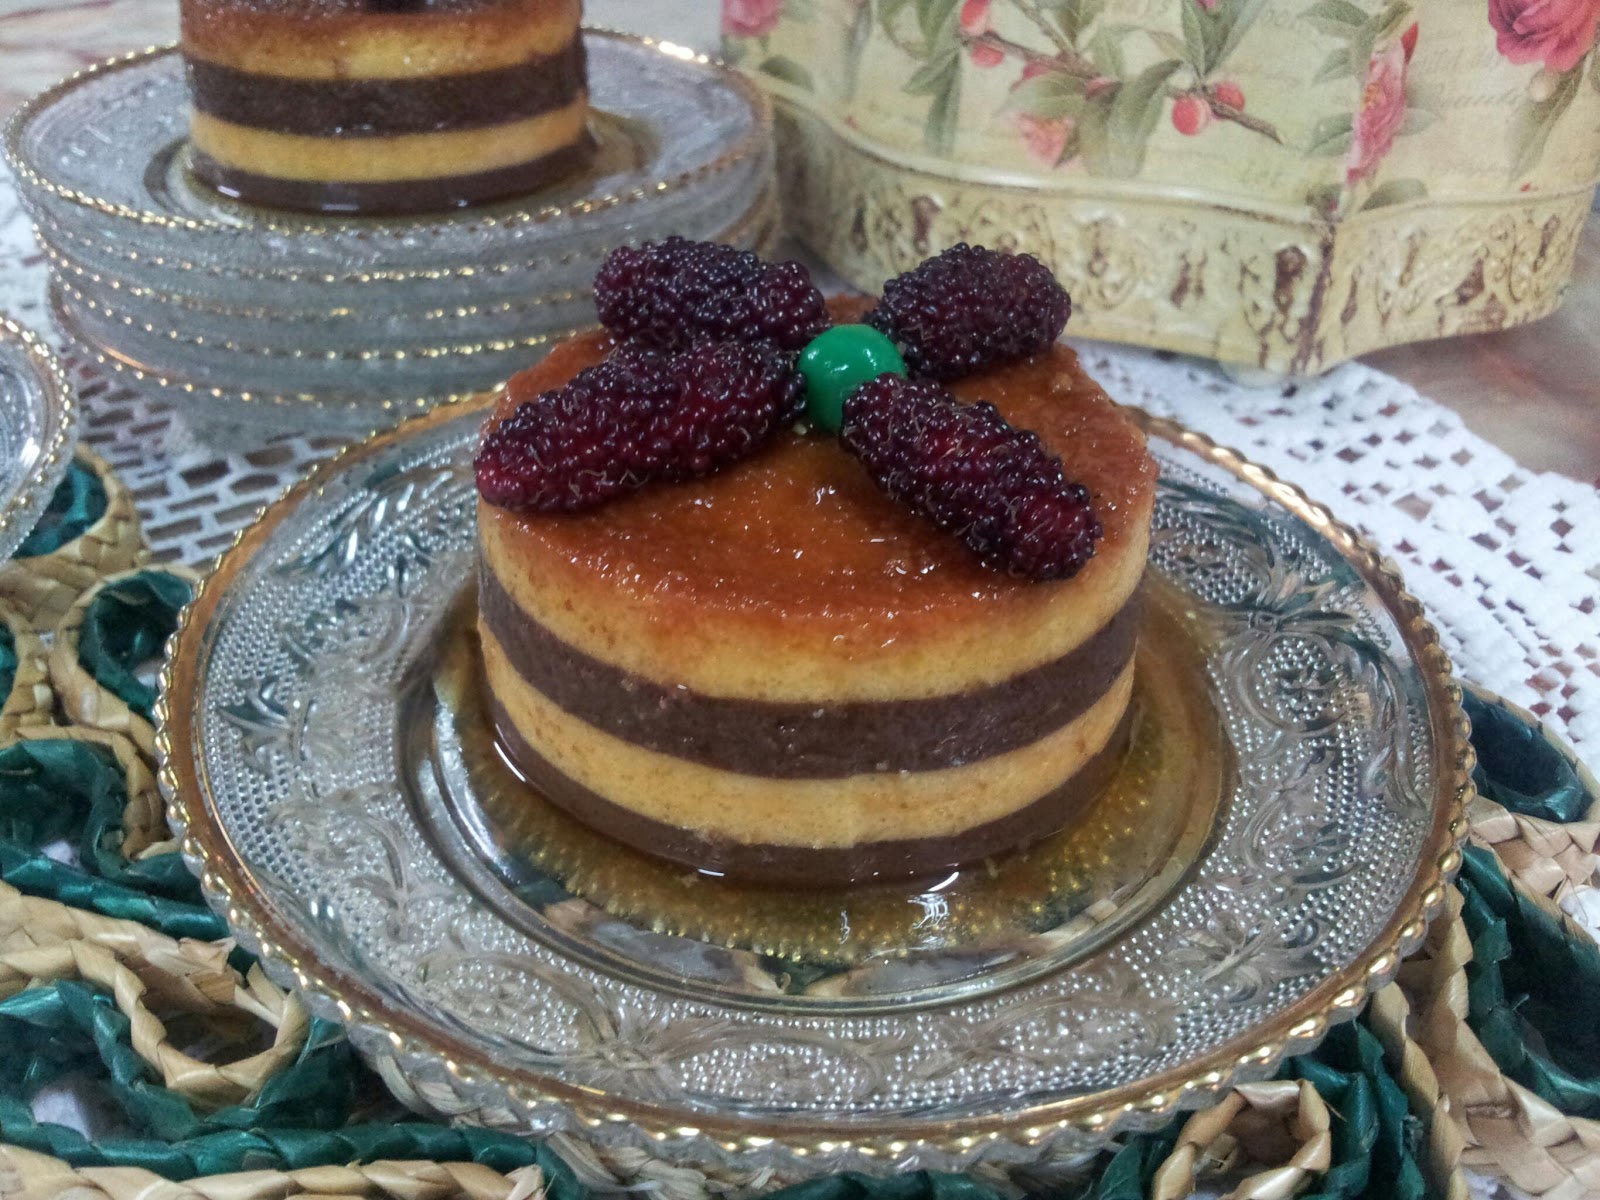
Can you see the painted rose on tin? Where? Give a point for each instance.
(750, 18)
(1382, 112)
(1557, 33)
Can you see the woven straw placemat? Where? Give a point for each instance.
(29, 701)
(84, 698)
(43, 587)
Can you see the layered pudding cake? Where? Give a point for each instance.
(783, 670)
(384, 106)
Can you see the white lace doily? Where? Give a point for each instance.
(1507, 560)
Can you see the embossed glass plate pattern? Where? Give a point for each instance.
(338, 322)
(290, 747)
(38, 430)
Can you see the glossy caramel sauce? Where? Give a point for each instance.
(801, 530)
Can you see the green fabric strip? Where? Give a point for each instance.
(1518, 769)
(127, 624)
(916, 1185)
(68, 1025)
(1376, 1140)
(8, 663)
(1133, 1165)
(61, 788)
(57, 789)
(77, 503)
(1533, 993)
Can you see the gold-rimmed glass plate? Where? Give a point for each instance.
(321, 746)
(240, 313)
(38, 430)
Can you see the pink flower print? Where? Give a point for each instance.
(1383, 109)
(975, 23)
(1045, 138)
(1557, 33)
(975, 18)
(750, 18)
(1408, 41)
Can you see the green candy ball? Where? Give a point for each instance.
(839, 361)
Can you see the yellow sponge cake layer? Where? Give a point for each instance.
(779, 672)
(384, 106)
(342, 41)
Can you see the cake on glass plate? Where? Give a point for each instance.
(384, 106)
(813, 593)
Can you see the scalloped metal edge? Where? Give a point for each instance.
(25, 508)
(752, 143)
(808, 1146)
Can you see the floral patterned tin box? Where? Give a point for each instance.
(1285, 183)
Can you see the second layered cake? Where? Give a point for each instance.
(779, 673)
(384, 106)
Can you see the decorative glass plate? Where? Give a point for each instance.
(289, 320)
(38, 431)
(1282, 830)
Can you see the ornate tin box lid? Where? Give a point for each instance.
(1266, 181)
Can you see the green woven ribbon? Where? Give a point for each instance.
(918, 1185)
(55, 789)
(298, 1119)
(126, 624)
(77, 503)
(1131, 1167)
(1533, 992)
(1376, 1140)
(8, 663)
(1518, 769)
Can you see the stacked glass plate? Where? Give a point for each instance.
(286, 321)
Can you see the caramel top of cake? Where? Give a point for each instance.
(800, 531)
(387, 39)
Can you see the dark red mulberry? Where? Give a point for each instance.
(672, 294)
(971, 308)
(965, 468)
(639, 416)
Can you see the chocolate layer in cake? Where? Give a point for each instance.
(360, 106)
(783, 866)
(805, 739)
(354, 108)
(396, 198)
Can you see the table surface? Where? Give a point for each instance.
(1533, 391)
